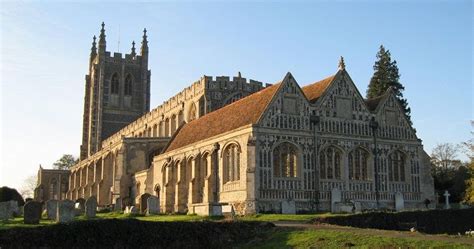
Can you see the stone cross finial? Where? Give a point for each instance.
(342, 65)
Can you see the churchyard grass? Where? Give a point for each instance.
(314, 238)
(286, 217)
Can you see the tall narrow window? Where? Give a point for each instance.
(285, 160)
(128, 85)
(231, 163)
(396, 167)
(330, 163)
(358, 164)
(115, 84)
(53, 190)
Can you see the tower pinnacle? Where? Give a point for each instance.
(144, 48)
(102, 39)
(94, 48)
(133, 49)
(342, 65)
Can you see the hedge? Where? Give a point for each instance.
(132, 233)
(451, 221)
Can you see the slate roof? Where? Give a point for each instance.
(242, 112)
(315, 90)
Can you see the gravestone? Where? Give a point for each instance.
(65, 211)
(80, 206)
(446, 199)
(5, 210)
(153, 204)
(118, 204)
(335, 198)
(143, 202)
(51, 207)
(288, 207)
(132, 210)
(14, 208)
(91, 207)
(32, 212)
(399, 201)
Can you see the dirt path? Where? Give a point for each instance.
(385, 233)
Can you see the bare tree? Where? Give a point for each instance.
(28, 187)
(444, 156)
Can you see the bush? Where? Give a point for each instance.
(451, 221)
(8, 194)
(132, 233)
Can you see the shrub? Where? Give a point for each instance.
(451, 221)
(8, 194)
(132, 233)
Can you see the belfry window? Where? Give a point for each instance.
(358, 164)
(285, 160)
(330, 163)
(115, 84)
(396, 167)
(128, 85)
(231, 163)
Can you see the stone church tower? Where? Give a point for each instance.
(117, 92)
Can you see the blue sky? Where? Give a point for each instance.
(45, 49)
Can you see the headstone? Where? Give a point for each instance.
(132, 210)
(143, 202)
(399, 201)
(14, 207)
(91, 207)
(335, 198)
(32, 212)
(51, 209)
(153, 205)
(5, 210)
(118, 204)
(65, 211)
(446, 199)
(288, 207)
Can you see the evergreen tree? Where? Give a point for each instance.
(386, 75)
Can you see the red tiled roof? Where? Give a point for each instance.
(243, 112)
(315, 90)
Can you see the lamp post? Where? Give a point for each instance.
(374, 125)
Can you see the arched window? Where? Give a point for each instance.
(396, 166)
(359, 164)
(330, 163)
(115, 84)
(53, 190)
(231, 163)
(192, 113)
(285, 160)
(128, 85)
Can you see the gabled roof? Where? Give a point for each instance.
(373, 103)
(242, 112)
(315, 90)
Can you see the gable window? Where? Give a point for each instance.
(231, 163)
(330, 163)
(358, 164)
(115, 84)
(128, 85)
(396, 166)
(285, 160)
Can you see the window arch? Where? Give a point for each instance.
(359, 164)
(128, 85)
(115, 84)
(330, 163)
(192, 113)
(396, 166)
(285, 160)
(231, 157)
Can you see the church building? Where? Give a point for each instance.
(223, 144)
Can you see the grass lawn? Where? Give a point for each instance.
(314, 238)
(285, 217)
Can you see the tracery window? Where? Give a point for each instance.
(115, 84)
(330, 163)
(396, 166)
(53, 190)
(285, 160)
(358, 164)
(231, 163)
(128, 85)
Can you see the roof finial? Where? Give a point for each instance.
(133, 49)
(94, 48)
(102, 38)
(144, 48)
(342, 65)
